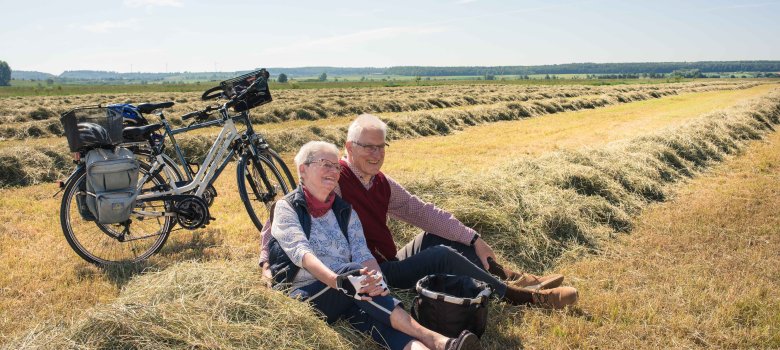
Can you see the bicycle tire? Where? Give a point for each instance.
(93, 241)
(262, 178)
(279, 163)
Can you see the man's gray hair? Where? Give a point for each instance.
(307, 152)
(365, 121)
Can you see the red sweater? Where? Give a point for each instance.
(371, 206)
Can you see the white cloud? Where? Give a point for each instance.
(347, 40)
(153, 3)
(108, 26)
(741, 6)
(465, 1)
(359, 13)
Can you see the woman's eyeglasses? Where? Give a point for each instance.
(328, 165)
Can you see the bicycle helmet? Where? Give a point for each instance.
(130, 114)
(93, 135)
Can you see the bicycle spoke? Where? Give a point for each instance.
(100, 243)
(260, 185)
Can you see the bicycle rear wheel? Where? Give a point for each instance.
(110, 244)
(260, 185)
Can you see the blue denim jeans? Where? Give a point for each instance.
(371, 317)
(430, 254)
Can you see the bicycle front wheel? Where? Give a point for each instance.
(260, 185)
(110, 244)
(279, 163)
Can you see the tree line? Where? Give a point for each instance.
(644, 69)
(592, 68)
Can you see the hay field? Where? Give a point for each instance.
(33, 153)
(540, 209)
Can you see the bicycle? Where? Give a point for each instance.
(165, 197)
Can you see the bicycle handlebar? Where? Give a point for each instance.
(212, 93)
(202, 114)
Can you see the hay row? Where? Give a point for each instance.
(565, 203)
(26, 166)
(339, 103)
(33, 117)
(437, 122)
(193, 305)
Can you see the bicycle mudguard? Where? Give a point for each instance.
(73, 174)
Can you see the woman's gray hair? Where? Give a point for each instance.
(307, 152)
(365, 121)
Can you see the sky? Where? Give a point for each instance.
(232, 35)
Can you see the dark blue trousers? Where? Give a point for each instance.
(430, 254)
(371, 317)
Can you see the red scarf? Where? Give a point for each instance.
(317, 208)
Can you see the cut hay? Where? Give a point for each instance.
(533, 212)
(216, 305)
(24, 166)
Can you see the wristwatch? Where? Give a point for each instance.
(474, 240)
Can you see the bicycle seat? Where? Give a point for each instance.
(139, 133)
(149, 107)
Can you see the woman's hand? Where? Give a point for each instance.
(360, 284)
(373, 284)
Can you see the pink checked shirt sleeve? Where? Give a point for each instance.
(413, 210)
(265, 237)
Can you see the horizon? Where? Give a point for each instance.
(373, 67)
(165, 36)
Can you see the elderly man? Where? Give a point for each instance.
(446, 246)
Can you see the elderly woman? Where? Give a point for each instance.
(318, 250)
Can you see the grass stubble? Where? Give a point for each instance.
(555, 210)
(700, 271)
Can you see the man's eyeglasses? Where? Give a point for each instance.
(328, 165)
(372, 148)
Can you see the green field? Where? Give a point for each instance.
(30, 88)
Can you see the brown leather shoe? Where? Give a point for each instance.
(525, 280)
(465, 341)
(556, 298)
(538, 282)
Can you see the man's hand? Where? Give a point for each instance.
(267, 276)
(484, 252)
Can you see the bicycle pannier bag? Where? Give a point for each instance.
(81, 203)
(449, 304)
(112, 178)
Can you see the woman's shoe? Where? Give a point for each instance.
(465, 341)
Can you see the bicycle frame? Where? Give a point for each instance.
(217, 158)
